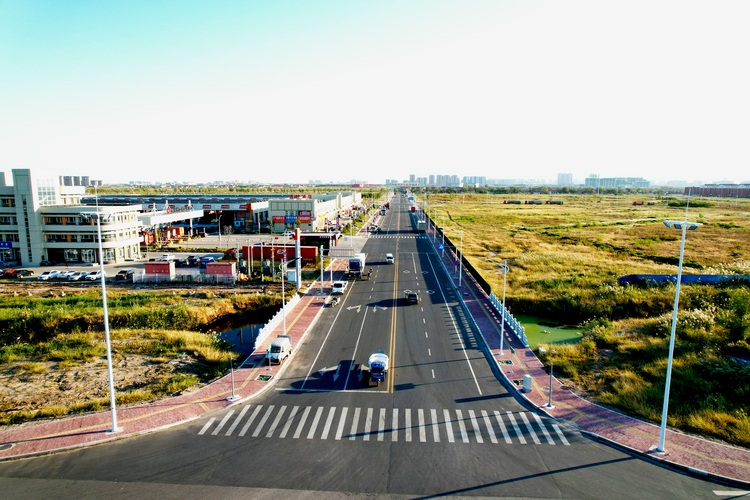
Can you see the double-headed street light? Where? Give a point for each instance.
(504, 266)
(684, 226)
(443, 237)
(282, 268)
(461, 258)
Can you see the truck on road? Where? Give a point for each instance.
(279, 350)
(377, 368)
(357, 265)
(421, 226)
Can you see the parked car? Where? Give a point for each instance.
(124, 275)
(6, 273)
(96, 275)
(11, 263)
(46, 262)
(22, 273)
(287, 233)
(206, 260)
(181, 263)
(49, 275)
(78, 275)
(167, 257)
(63, 275)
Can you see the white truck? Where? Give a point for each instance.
(279, 350)
(377, 368)
(421, 226)
(357, 265)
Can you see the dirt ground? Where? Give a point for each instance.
(34, 386)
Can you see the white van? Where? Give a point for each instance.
(279, 350)
(389, 258)
(339, 287)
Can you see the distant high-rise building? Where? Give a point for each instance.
(432, 179)
(85, 181)
(564, 179)
(617, 182)
(411, 178)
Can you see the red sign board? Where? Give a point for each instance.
(279, 218)
(304, 213)
(305, 218)
(225, 206)
(208, 207)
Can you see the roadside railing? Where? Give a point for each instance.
(264, 332)
(514, 325)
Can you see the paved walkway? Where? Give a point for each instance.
(683, 451)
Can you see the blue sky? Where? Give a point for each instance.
(289, 91)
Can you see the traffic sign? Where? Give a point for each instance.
(441, 246)
(455, 262)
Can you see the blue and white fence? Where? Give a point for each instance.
(514, 325)
(264, 332)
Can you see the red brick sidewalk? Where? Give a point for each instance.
(73, 432)
(689, 452)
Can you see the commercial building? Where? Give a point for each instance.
(617, 182)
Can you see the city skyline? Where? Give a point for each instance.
(339, 90)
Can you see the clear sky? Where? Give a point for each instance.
(288, 91)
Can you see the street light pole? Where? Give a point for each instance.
(443, 237)
(684, 226)
(504, 266)
(461, 257)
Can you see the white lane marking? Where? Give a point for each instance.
(560, 435)
(205, 427)
(288, 422)
(475, 425)
(544, 429)
(368, 424)
(516, 428)
(433, 373)
(461, 426)
(422, 308)
(502, 427)
(530, 428)
(342, 420)
(327, 427)
(355, 421)
(414, 262)
(422, 435)
(368, 298)
(488, 424)
(423, 321)
(448, 427)
(326, 338)
(455, 327)
(381, 425)
(354, 355)
(302, 421)
(221, 424)
(435, 426)
(394, 425)
(407, 425)
(315, 422)
(267, 414)
(237, 421)
(429, 352)
(276, 421)
(250, 421)
(425, 335)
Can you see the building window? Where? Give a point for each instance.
(87, 238)
(71, 255)
(8, 202)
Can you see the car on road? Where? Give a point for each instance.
(49, 275)
(78, 276)
(6, 273)
(168, 257)
(389, 258)
(287, 233)
(179, 263)
(64, 274)
(339, 287)
(96, 275)
(125, 275)
(412, 297)
(206, 260)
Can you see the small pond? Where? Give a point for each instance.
(542, 331)
(241, 338)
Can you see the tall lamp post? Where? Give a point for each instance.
(113, 408)
(504, 266)
(219, 221)
(443, 237)
(461, 257)
(684, 226)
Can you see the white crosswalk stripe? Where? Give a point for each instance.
(474, 426)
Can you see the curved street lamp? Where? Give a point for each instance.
(684, 226)
(461, 258)
(504, 266)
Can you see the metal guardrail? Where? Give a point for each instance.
(208, 279)
(514, 325)
(264, 332)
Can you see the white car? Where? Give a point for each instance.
(389, 258)
(65, 275)
(96, 275)
(167, 257)
(288, 233)
(48, 275)
(339, 287)
(77, 275)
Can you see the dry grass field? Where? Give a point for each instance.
(564, 263)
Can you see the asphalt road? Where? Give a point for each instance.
(441, 425)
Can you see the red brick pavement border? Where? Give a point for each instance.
(693, 453)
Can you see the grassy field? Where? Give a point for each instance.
(162, 342)
(564, 263)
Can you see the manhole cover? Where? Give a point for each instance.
(265, 378)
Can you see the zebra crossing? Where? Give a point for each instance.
(390, 236)
(412, 425)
